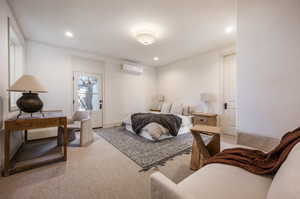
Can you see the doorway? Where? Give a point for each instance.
(228, 118)
(88, 95)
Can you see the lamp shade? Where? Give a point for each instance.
(28, 83)
(205, 97)
(160, 98)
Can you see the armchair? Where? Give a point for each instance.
(80, 121)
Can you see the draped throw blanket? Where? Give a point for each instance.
(256, 161)
(169, 121)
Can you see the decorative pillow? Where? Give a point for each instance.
(165, 108)
(155, 130)
(177, 109)
(186, 110)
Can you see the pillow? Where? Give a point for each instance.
(165, 108)
(159, 106)
(177, 109)
(155, 130)
(186, 110)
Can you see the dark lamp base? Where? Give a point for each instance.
(29, 103)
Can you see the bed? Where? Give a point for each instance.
(180, 111)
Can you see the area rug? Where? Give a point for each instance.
(146, 153)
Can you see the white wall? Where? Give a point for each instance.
(184, 80)
(5, 12)
(126, 93)
(268, 66)
(123, 93)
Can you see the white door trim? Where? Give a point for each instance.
(102, 75)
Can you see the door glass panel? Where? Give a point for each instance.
(88, 93)
(88, 84)
(87, 102)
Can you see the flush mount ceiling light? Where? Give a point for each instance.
(145, 37)
(229, 29)
(69, 34)
(155, 58)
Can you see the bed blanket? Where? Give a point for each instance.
(256, 161)
(169, 121)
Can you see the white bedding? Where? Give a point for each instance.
(185, 127)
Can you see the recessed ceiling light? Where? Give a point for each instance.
(69, 34)
(145, 37)
(155, 58)
(229, 29)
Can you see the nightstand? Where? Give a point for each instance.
(202, 150)
(209, 119)
(155, 110)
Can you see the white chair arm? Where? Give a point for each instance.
(86, 123)
(86, 132)
(163, 188)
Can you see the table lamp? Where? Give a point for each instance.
(205, 98)
(30, 86)
(160, 98)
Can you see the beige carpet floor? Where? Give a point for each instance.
(98, 171)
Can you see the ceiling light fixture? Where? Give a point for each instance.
(69, 34)
(229, 29)
(145, 38)
(155, 58)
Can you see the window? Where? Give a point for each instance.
(16, 63)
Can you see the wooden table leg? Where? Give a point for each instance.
(199, 152)
(195, 157)
(6, 153)
(65, 140)
(26, 135)
(214, 146)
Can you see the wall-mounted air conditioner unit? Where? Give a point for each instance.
(133, 69)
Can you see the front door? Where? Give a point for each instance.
(88, 96)
(228, 118)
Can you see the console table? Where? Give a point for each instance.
(37, 121)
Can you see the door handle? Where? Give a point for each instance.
(225, 106)
(100, 104)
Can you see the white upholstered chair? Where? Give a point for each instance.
(80, 121)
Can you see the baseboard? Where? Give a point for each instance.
(35, 134)
(112, 125)
(41, 139)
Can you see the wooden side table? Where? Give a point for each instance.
(24, 123)
(204, 118)
(201, 151)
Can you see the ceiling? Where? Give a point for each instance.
(106, 27)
